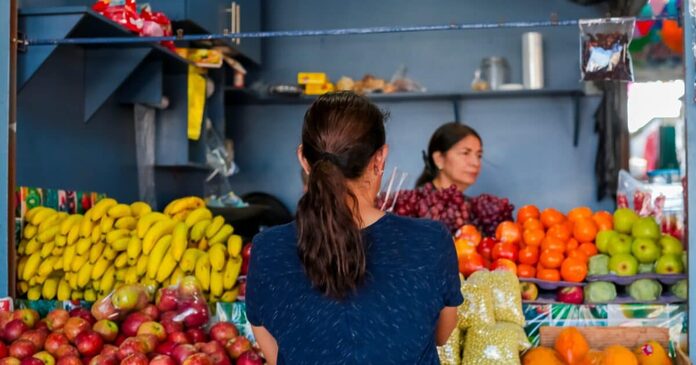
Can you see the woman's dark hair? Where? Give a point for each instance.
(442, 140)
(341, 133)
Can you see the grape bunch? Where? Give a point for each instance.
(488, 211)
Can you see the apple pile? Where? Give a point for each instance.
(636, 245)
(170, 332)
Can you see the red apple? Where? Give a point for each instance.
(167, 299)
(89, 343)
(166, 348)
(215, 351)
(104, 309)
(131, 346)
(41, 325)
(505, 250)
(177, 337)
(119, 339)
(150, 342)
(31, 361)
(571, 295)
(170, 325)
(181, 352)
(223, 332)
(28, 316)
(66, 350)
(130, 326)
(14, 329)
(485, 247)
(104, 360)
(198, 359)
(56, 319)
(153, 328)
(135, 359)
(196, 335)
(3, 350)
(82, 313)
(74, 326)
(69, 360)
(110, 350)
(189, 287)
(151, 311)
(241, 289)
(10, 361)
(162, 360)
(37, 337)
(196, 315)
(107, 329)
(22, 348)
(246, 251)
(237, 346)
(250, 358)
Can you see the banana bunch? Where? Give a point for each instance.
(86, 256)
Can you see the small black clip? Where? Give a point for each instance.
(21, 42)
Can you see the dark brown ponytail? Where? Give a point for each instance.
(444, 138)
(341, 133)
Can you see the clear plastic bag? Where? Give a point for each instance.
(491, 345)
(477, 309)
(604, 49)
(507, 299)
(451, 352)
(121, 301)
(184, 303)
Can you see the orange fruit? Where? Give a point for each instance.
(526, 212)
(551, 259)
(588, 248)
(577, 254)
(604, 220)
(618, 355)
(560, 231)
(541, 356)
(525, 271)
(571, 345)
(652, 353)
(593, 357)
(469, 232)
(573, 270)
(508, 232)
(578, 213)
(572, 244)
(533, 237)
(585, 230)
(532, 223)
(529, 255)
(553, 244)
(550, 217)
(548, 274)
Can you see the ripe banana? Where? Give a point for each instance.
(166, 267)
(158, 230)
(20, 267)
(179, 205)
(22, 246)
(107, 281)
(29, 216)
(179, 241)
(61, 240)
(121, 244)
(119, 211)
(109, 253)
(96, 233)
(147, 221)
(41, 216)
(68, 256)
(59, 264)
(46, 249)
(77, 263)
(230, 296)
(157, 255)
(134, 248)
(232, 269)
(188, 260)
(46, 267)
(222, 235)
(95, 252)
(202, 271)
(121, 260)
(131, 276)
(31, 266)
(76, 295)
(203, 244)
(86, 226)
(84, 274)
(198, 229)
(198, 215)
(99, 210)
(63, 290)
(69, 223)
(117, 234)
(100, 268)
(234, 245)
(216, 287)
(30, 231)
(217, 255)
(120, 274)
(32, 246)
(181, 216)
(214, 227)
(90, 295)
(82, 246)
(74, 233)
(139, 209)
(54, 220)
(34, 292)
(107, 224)
(128, 223)
(176, 276)
(141, 266)
(50, 288)
(48, 235)
(57, 251)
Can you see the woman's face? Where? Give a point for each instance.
(462, 163)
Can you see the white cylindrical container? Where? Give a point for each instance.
(533, 60)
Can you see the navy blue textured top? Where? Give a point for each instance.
(412, 275)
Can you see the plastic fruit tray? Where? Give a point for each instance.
(550, 285)
(626, 280)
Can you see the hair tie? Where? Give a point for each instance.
(330, 157)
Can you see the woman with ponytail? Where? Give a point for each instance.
(453, 158)
(346, 283)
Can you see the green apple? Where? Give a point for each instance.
(623, 264)
(685, 260)
(603, 238)
(645, 250)
(669, 264)
(620, 244)
(646, 227)
(624, 219)
(646, 268)
(671, 245)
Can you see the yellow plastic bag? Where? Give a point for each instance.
(477, 309)
(506, 294)
(451, 352)
(196, 102)
(491, 345)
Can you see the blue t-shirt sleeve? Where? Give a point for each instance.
(254, 298)
(449, 265)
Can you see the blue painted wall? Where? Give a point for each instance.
(529, 155)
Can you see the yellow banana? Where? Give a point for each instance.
(61, 240)
(121, 244)
(189, 258)
(100, 268)
(38, 279)
(84, 274)
(176, 203)
(54, 220)
(214, 227)
(203, 244)
(198, 215)
(68, 256)
(46, 267)
(157, 255)
(216, 288)
(22, 246)
(166, 267)
(48, 235)
(86, 226)
(147, 221)
(74, 233)
(134, 249)
(107, 281)
(72, 280)
(90, 295)
(117, 234)
(57, 251)
(32, 212)
(217, 255)
(20, 267)
(82, 246)
(229, 296)
(139, 209)
(107, 224)
(198, 229)
(109, 253)
(119, 211)
(76, 295)
(222, 235)
(46, 249)
(181, 216)
(176, 276)
(42, 215)
(141, 266)
(69, 223)
(179, 241)
(32, 246)
(232, 269)
(96, 233)
(120, 274)
(158, 230)
(131, 276)
(121, 260)
(128, 223)
(50, 288)
(31, 266)
(30, 231)
(77, 263)
(202, 272)
(95, 284)
(234, 245)
(95, 252)
(22, 287)
(58, 265)
(99, 210)
(34, 293)
(63, 290)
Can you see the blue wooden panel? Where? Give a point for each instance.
(5, 89)
(250, 21)
(144, 86)
(172, 146)
(105, 70)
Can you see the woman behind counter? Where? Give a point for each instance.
(453, 158)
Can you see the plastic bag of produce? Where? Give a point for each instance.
(451, 352)
(121, 301)
(520, 336)
(604, 54)
(645, 290)
(505, 287)
(600, 292)
(123, 12)
(156, 24)
(184, 303)
(477, 308)
(491, 345)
